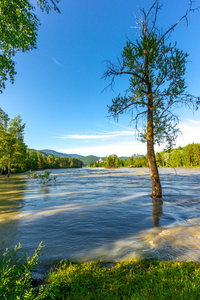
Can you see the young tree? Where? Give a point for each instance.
(112, 161)
(4, 120)
(12, 147)
(156, 69)
(18, 32)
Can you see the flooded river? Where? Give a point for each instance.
(102, 214)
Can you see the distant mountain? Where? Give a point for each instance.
(48, 152)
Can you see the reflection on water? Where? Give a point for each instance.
(11, 203)
(103, 214)
(157, 211)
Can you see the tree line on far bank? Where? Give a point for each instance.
(14, 155)
(35, 160)
(188, 156)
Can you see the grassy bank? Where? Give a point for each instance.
(144, 279)
(124, 280)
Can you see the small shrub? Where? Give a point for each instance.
(15, 278)
(42, 178)
(32, 175)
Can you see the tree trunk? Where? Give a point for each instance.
(155, 180)
(8, 171)
(1, 171)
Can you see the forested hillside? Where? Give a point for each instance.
(188, 156)
(48, 152)
(35, 160)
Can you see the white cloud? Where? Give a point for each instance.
(190, 133)
(192, 122)
(98, 136)
(125, 146)
(120, 149)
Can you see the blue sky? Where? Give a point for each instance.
(58, 87)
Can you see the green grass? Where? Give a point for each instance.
(144, 279)
(124, 280)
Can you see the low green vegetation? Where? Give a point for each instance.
(43, 178)
(143, 279)
(15, 274)
(188, 156)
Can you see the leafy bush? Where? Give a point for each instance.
(15, 278)
(42, 178)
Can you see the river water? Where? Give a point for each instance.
(102, 214)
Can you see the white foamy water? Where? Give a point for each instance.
(103, 214)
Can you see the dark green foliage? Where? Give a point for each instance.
(34, 160)
(18, 32)
(12, 147)
(112, 161)
(37, 161)
(188, 156)
(15, 278)
(47, 5)
(42, 178)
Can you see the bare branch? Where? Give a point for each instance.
(131, 73)
(156, 2)
(141, 113)
(139, 116)
(130, 41)
(113, 70)
(182, 18)
(132, 103)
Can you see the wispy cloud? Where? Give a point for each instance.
(56, 62)
(191, 122)
(190, 133)
(119, 149)
(98, 136)
(124, 142)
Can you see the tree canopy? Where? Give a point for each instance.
(18, 32)
(12, 147)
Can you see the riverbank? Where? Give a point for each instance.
(144, 279)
